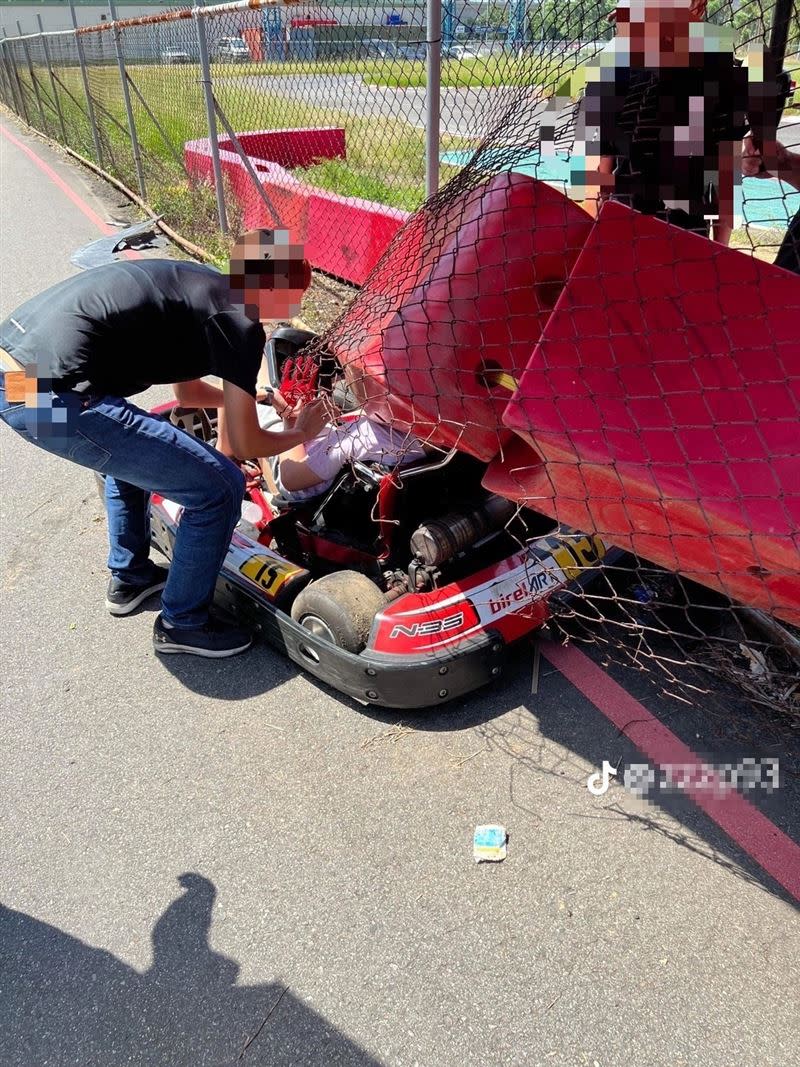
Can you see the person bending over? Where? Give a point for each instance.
(71, 357)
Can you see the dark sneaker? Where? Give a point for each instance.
(213, 640)
(122, 598)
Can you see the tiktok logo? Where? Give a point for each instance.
(597, 783)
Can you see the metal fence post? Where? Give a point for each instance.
(34, 82)
(16, 84)
(433, 97)
(9, 96)
(56, 97)
(85, 78)
(211, 118)
(248, 166)
(126, 95)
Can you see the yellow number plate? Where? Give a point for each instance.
(268, 573)
(575, 554)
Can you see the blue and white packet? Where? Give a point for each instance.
(489, 844)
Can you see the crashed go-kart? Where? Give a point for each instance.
(399, 587)
(405, 586)
(564, 375)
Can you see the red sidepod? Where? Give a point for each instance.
(509, 598)
(662, 405)
(456, 308)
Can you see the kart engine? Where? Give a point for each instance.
(435, 542)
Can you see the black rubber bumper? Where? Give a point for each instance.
(371, 678)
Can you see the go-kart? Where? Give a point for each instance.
(564, 375)
(400, 587)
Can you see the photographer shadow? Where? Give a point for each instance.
(65, 1002)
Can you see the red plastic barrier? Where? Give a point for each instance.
(283, 189)
(458, 305)
(291, 148)
(345, 236)
(663, 399)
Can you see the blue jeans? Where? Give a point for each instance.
(141, 454)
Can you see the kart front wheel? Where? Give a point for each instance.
(340, 607)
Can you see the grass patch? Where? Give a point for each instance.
(761, 242)
(339, 176)
(491, 72)
(192, 209)
(385, 157)
(488, 71)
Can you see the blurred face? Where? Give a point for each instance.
(266, 303)
(657, 31)
(268, 275)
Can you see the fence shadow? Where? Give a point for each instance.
(65, 1002)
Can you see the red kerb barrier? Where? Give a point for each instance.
(345, 236)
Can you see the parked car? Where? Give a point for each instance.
(375, 46)
(231, 50)
(460, 51)
(416, 52)
(175, 55)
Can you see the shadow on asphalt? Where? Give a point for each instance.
(252, 674)
(722, 730)
(63, 1002)
(719, 727)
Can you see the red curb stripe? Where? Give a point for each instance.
(752, 831)
(78, 201)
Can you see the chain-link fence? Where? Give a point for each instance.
(396, 101)
(410, 90)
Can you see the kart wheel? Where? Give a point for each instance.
(339, 607)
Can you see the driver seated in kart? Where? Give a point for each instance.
(311, 468)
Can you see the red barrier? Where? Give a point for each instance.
(291, 148)
(663, 399)
(434, 351)
(345, 236)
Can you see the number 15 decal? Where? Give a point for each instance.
(267, 573)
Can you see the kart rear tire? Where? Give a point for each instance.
(340, 607)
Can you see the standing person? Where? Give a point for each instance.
(785, 166)
(71, 357)
(664, 115)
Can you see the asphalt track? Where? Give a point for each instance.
(208, 864)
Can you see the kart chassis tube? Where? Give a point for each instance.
(420, 681)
